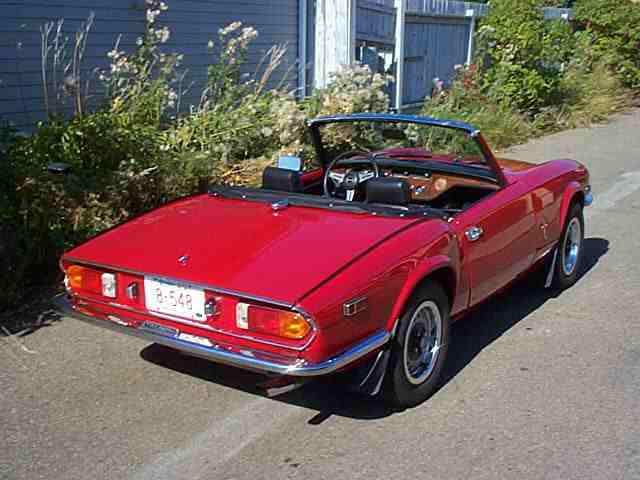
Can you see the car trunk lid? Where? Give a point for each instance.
(241, 246)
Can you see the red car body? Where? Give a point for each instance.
(320, 263)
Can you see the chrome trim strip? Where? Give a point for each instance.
(355, 306)
(244, 358)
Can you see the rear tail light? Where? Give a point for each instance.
(83, 278)
(87, 279)
(271, 321)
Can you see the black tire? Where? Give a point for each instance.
(567, 266)
(400, 388)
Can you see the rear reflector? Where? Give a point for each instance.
(108, 285)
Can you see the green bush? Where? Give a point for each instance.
(614, 31)
(523, 55)
(535, 76)
(499, 122)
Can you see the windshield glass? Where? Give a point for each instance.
(401, 140)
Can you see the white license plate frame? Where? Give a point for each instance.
(177, 299)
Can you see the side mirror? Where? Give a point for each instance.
(289, 162)
(59, 168)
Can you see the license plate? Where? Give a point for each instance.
(173, 298)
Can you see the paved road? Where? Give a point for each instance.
(540, 386)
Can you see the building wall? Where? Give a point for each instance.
(192, 22)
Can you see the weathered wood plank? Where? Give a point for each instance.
(335, 37)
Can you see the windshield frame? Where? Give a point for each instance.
(475, 135)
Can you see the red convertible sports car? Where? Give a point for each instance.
(398, 226)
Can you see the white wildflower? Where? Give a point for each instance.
(172, 96)
(151, 15)
(232, 27)
(163, 34)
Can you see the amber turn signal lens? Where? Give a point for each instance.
(74, 276)
(83, 278)
(293, 325)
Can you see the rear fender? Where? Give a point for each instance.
(428, 266)
(571, 192)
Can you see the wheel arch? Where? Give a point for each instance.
(438, 269)
(573, 193)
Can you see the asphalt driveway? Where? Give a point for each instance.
(540, 386)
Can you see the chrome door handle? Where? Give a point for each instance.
(473, 233)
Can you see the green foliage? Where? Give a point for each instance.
(588, 96)
(499, 122)
(537, 76)
(353, 89)
(523, 54)
(613, 28)
(142, 85)
(224, 85)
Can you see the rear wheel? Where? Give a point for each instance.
(419, 348)
(569, 256)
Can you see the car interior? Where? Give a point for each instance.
(394, 187)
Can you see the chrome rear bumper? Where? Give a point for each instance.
(230, 355)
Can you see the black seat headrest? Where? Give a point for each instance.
(388, 190)
(281, 179)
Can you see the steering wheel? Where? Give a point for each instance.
(348, 181)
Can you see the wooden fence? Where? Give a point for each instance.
(430, 36)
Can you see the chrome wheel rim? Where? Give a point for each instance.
(571, 246)
(422, 342)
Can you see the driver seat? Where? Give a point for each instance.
(389, 191)
(281, 179)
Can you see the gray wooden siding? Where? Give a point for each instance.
(375, 22)
(460, 9)
(21, 100)
(433, 46)
(192, 22)
(446, 7)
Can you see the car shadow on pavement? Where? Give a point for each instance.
(328, 397)
(493, 318)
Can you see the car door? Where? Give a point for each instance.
(497, 237)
